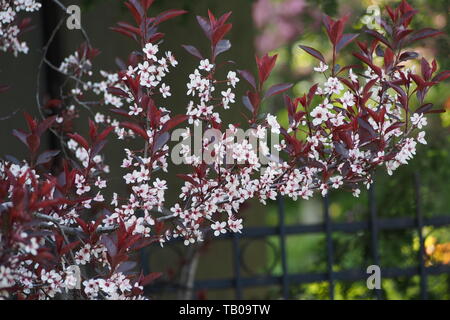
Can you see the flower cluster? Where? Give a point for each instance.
(10, 26)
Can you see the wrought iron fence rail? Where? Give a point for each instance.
(346, 227)
(372, 226)
(305, 278)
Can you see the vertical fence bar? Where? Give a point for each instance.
(282, 228)
(373, 224)
(419, 223)
(329, 243)
(237, 267)
(50, 18)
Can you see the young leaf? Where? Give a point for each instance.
(135, 128)
(205, 25)
(46, 156)
(316, 54)
(277, 89)
(172, 123)
(424, 33)
(169, 14)
(193, 51)
(345, 40)
(79, 139)
(222, 46)
(249, 77)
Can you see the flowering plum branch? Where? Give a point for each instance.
(57, 216)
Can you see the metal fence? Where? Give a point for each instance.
(372, 226)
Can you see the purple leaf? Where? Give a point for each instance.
(345, 40)
(205, 25)
(408, 55)
(425, 108)
(22, 136)
(316, 54)
(364, 124)
(379, 37)
(277, 89)
(169, 14)
(247, 103)
(222, 46)
(46, 156)
(126, 266)
(109, 244)
(249, 77)
(161, 141)
(442, 76)
(193, 50)
(117, 92)
(4, 87)
(424, 33)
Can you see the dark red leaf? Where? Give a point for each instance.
(193, 51)
(69, 247)
(311, 93)
(124, 32)
(137, 14)
(161, 141)
(81, 141)
(345, 40)
(379, 37)
(265, 66)
(277, 89)
(436, 111)
(366, 125)
(336, 32)
(120, 112)
(169, 14)
(316, 54)
(247, 103)
(388, 58)
(135, 128)
(394, 126)
(408, 55)
(424, 33)
(105, 133)
(150, 278)
(169, 125)
(147, 3)
(248, 77)
(442, 76)
(187, 178)
(222, 46)
(45, 124)
(117, 92)
(4, 88)
(128, 27)
(22, 136)
(424, 108)
(46, 156)
(205, 25)
(220, 33)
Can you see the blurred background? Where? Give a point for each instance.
(300, 250)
